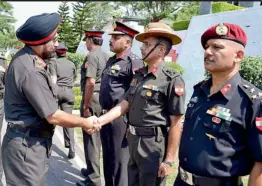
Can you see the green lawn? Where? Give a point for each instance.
(171, 178)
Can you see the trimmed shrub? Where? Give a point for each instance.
(77, 104)
(250, 70)
(224, 7)
(183, 17)
(77, 91)
(176, 67)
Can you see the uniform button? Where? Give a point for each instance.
(191, 138)
(185, 159)
(208, 99)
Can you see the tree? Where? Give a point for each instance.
(65, 32)
(153, 11)
(7, 29)
(90, 16)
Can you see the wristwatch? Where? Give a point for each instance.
(170, 163)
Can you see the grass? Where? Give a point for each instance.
(171, 178)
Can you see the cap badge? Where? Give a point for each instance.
(114, 25)
(221, 29)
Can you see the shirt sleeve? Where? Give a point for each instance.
(255, 133)
(176, 96)
(92, 66)
(39, 93)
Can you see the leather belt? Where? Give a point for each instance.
(143, 131)
(31, 132)
(194, 180)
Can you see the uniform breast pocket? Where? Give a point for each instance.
(216, 124)
(153, 99)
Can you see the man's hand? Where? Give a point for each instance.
(164, 170)
(92, 125)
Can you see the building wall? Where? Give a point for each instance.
(191, 54)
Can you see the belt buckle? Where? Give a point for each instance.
(186, 176)
(132, 130)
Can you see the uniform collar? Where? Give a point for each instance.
(227, 90)
(30, 51)
(156, 71)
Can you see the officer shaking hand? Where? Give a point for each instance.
(31, 108)
(155, 105)
(222, 133)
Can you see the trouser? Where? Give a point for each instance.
(25, 159)
(115, 152)
(1, 125)
(146, 155)
(92, 144)
(66, 103)
(205, 181)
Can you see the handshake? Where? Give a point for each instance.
(91, 125)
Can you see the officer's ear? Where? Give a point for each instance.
(239, 56)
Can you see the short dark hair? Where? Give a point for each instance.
(167, 42)
(97, 40)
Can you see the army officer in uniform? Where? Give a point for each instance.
(115, 81)
(91, 72)
(222, 133)
(155, 106)
(31, 106)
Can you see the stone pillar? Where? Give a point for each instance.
(205, 7)
(249, 4)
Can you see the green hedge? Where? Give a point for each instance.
(176, 67)
(223, 7)
(181, 25)
(77, 91)
(250, 70)
(77, 104)
(184, 16)
(77, 59)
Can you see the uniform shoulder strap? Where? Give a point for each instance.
(170, 72)
(250, 90)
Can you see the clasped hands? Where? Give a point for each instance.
(92, 125)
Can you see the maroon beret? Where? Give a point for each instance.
(225, 31)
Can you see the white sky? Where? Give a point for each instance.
(23, 10)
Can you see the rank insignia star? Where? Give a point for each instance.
(260, 94)
(221, 30)
(252, 90)
(254, 97)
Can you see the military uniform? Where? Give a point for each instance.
(222, 134)
(65, 72)
(115, 82)
(29, 135)
(29, 98)
(153, 97)
(93, 67)
(3, 65)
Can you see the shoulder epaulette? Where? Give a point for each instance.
(170, 72)
(250, 90)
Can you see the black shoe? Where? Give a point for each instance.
(71, 153)
(84, 172)
(84, 183)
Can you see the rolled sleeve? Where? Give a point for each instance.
(255, 133)
(176, 97)
(92, 67)
(39, 93)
